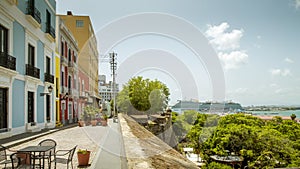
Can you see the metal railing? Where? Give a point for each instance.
(35, 13)
(49, 78)
(64, 60)
(32, 71)
(50, 30)
(7, 61)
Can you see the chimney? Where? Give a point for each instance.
(69, 13)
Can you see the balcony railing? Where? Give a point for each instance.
(64, 60)
(70, 92)
(7, 61)
(32, 71)
(50, 30)
(49, 78)
(35, 13)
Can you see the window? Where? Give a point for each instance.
(79, 23)
(48, 63)
(69, 83)
(69, 56)
(48, 108)
(62, 48)
(30, 55)
(30, 109)
(3, 39)
(48, 19)
(75, 58)
(62, 78)
(3, 109)
(56, 86)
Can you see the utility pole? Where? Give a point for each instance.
(113, 67)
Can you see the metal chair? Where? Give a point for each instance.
(64, 157)
(50, 153)
(3, 156)
(20, 161)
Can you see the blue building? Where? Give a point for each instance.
(27, 60)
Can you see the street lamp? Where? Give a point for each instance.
(50, 88)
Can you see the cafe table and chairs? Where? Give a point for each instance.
(34, 151)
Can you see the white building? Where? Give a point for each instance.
(106, 89)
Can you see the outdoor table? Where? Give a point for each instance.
(36, 149)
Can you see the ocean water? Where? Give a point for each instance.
(277, 113)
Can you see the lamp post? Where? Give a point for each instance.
(50, 88)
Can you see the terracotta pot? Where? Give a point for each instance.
(94, 122)
(104, 123)
(80, 123)
(83, 159)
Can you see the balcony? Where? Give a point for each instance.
(32, 71)
(75, 92)
(84, 95)
(50, 30)
(35, 16)
(7, 61)
(70, 92)
(64, 60)
(49, 78)
(64, 89)
(72, 66)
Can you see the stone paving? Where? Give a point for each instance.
(89, 137)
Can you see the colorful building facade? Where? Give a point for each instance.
(82, 29)
(68, 51)
(27, 66)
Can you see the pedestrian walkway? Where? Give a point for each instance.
(104, 142)
(111, 154)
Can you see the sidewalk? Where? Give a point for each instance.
(104, 141)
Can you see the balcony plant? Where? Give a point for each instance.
(83, 156)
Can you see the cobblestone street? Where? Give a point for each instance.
(92, 138)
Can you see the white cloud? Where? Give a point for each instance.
(280, 72)
(288, 60)
(234, 59)
(297, 4)
(258, 37)
(274, 85)
(222, 39)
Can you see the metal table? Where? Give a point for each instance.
(36, 149)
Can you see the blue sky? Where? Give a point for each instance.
(257, 42)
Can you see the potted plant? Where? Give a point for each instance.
(80, 123)
(83, 157)
(89, 113)
(104, 120)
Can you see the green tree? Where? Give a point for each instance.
(261, 144)
(143, 95)
(215, 165)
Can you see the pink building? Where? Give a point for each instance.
(83, 86)
(69, 96)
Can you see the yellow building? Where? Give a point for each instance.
(57, 88)
(82, 29)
